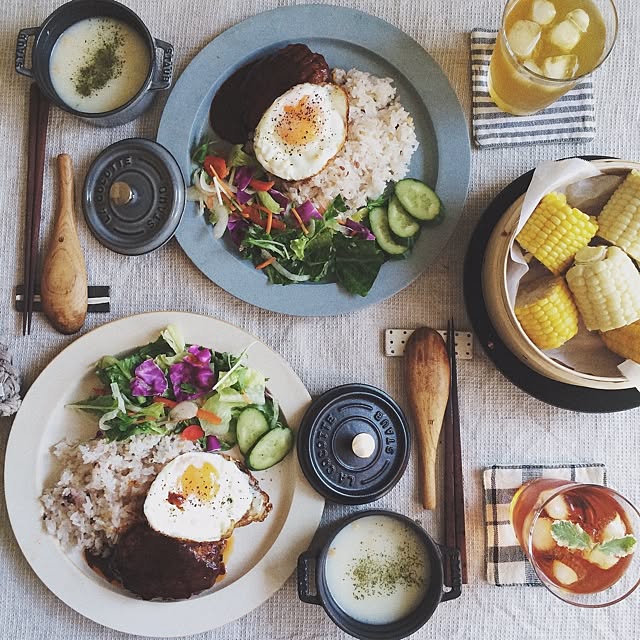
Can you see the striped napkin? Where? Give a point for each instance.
(506, 562)
(569, 119)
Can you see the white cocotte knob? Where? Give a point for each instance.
(363, 445)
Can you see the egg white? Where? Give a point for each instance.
(200, 515)
(302, 130)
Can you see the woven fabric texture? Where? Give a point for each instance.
(506, 562)
(499, 422)
(570, 119)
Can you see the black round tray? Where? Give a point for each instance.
(559, 394)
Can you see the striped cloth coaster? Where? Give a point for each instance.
(506, 562)
(569, 119)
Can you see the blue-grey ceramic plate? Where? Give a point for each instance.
(347, 38)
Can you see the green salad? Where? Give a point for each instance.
(293, 242)
(170, 387)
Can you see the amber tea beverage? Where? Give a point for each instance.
(580, 539)
(545, 47)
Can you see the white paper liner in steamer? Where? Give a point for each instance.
(586, 348)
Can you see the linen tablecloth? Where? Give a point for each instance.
(500, 423)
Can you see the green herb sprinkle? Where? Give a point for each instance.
(383, 574)
(103, 62)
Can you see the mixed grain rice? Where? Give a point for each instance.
(380, 142)
(102, 487)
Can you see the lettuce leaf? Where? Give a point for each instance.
(318, 254)
(357, 263)
(252, 384)
(224, 405)
(174, 339)
(119, 408)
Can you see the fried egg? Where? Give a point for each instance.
(203, 497)
(302, 130)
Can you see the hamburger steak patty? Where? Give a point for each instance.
(152, 565)
(243, 98)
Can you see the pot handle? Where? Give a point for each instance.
(21, 50)
(452, 556)
(163, 73)
(303, 578)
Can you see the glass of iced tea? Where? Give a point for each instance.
(544, 47)
(580, 539)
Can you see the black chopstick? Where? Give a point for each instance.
(450, 540)
(461, 537)
(455, 535)
(31, 163)
(38, 121)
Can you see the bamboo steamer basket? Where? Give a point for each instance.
(502, 315)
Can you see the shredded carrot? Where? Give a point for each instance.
(225, 188)
(269, 222)
(266, 263)
(165, 401)
(254, 215)
(207, 416)
(299, 219)
(223, 185)
(228, 201)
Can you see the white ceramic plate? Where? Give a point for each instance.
(263, 555)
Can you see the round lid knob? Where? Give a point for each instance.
(120, 193)
(363, 445)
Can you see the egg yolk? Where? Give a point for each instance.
(299, 123)
(201, 482)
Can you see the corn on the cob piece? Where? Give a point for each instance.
(546, 311)
(555, 232)
(619, 220)
(624, 341)
(606, 287)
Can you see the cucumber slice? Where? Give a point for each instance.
(270, 449)
(400, 222)
(251, 426)
(379, 220)
(418, 199)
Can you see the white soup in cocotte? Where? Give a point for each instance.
(377, 569)
(98, 64)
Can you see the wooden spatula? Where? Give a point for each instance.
(64, 275)
(427, 377)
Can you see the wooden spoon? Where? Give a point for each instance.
(427, 377)
(64, 275)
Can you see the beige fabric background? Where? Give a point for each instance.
(499, 422)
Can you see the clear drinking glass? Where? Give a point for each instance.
(534, 63)
(579, 538)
